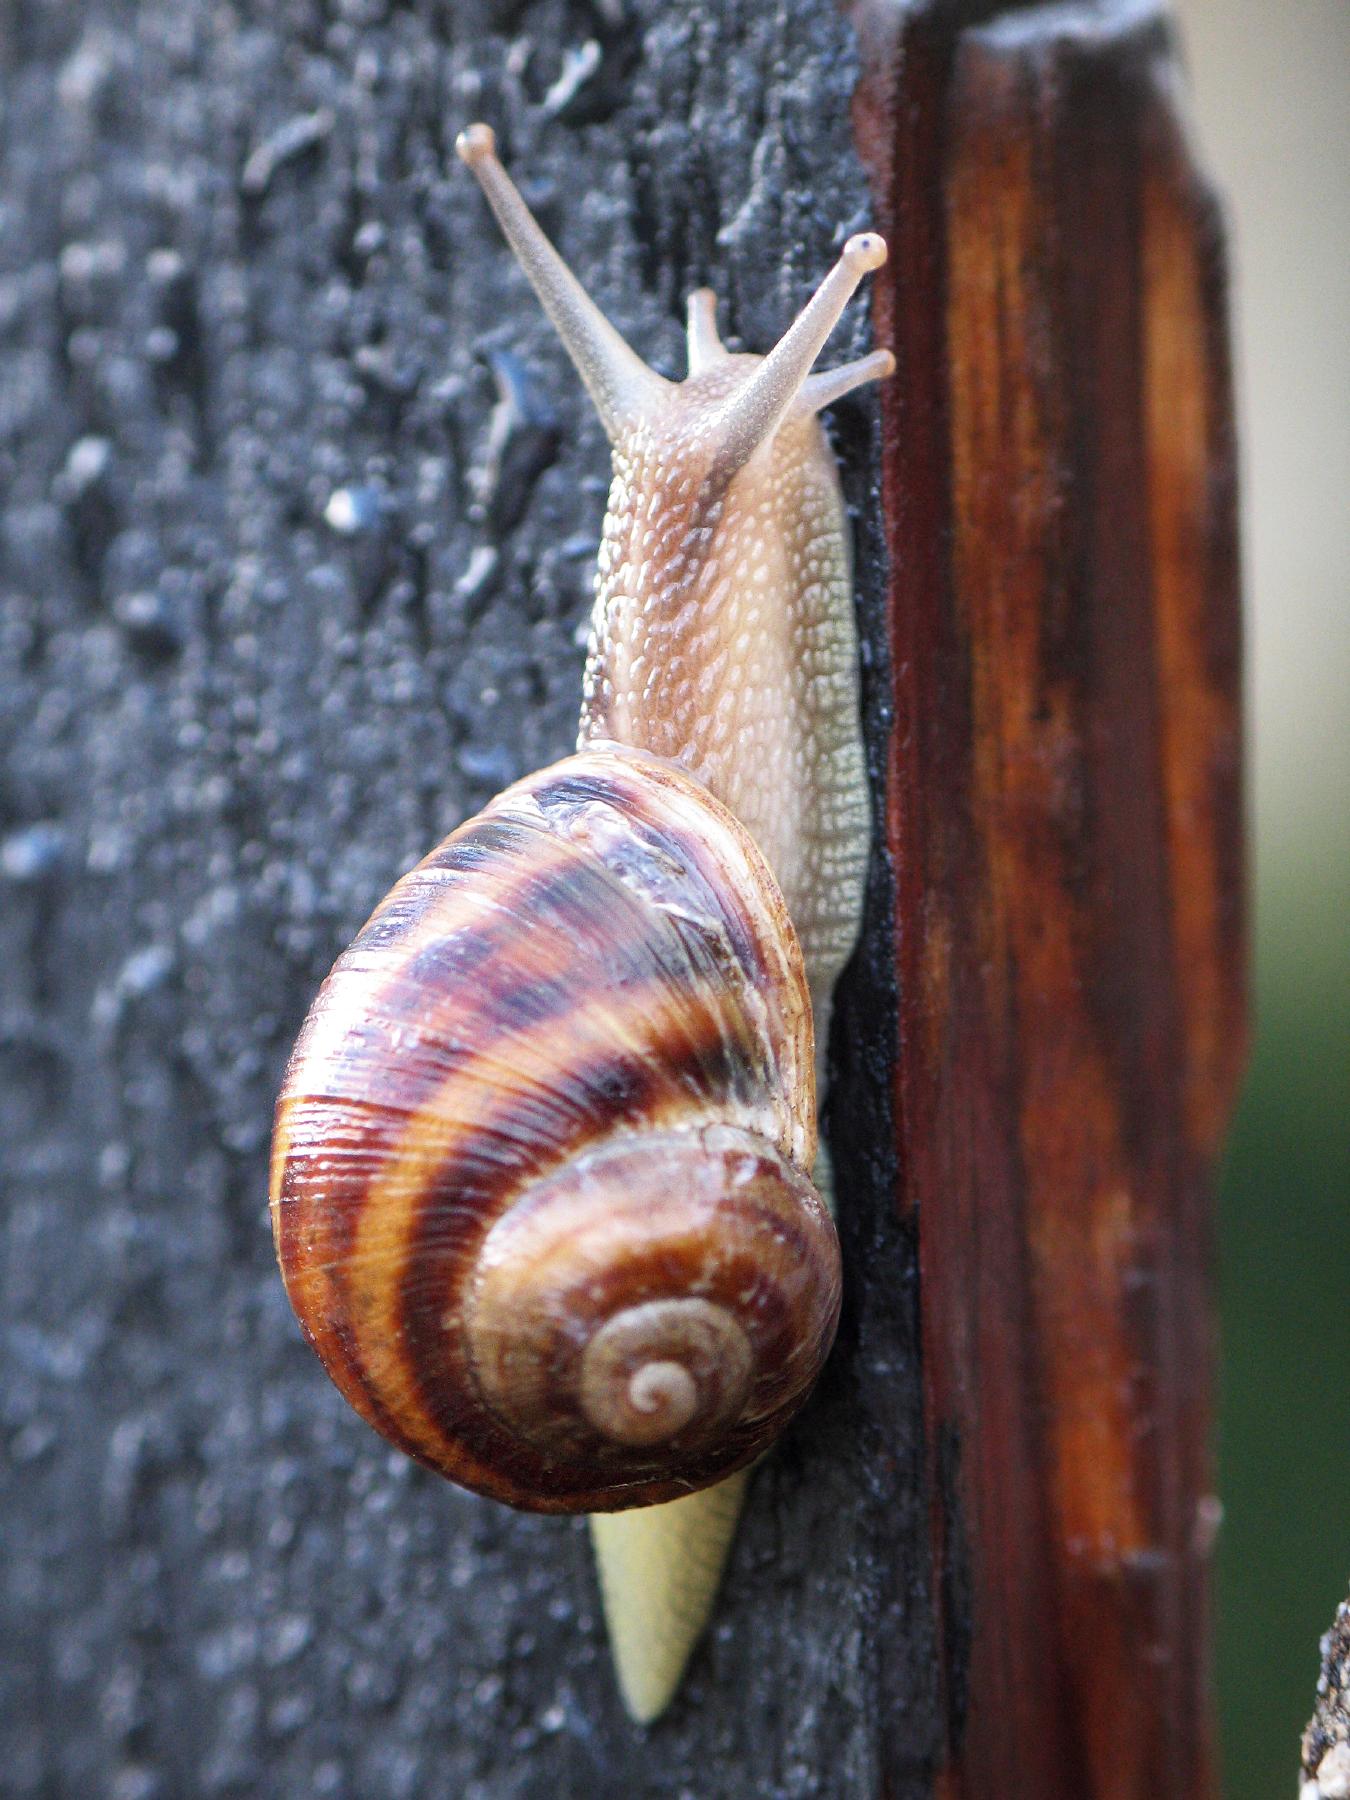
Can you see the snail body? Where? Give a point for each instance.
(542, 1171)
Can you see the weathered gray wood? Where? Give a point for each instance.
(241, 272)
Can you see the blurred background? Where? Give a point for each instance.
(1272, 103)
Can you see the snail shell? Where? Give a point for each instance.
(540, 1182)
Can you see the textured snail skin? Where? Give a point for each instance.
(540, 1180)
(723, 634)
(736, 652)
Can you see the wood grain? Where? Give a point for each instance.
(1064, 815)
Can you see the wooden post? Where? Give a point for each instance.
(1064, 821)
(278, 610)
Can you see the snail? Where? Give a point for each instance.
(541, 1180)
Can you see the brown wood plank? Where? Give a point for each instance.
(1064, 817)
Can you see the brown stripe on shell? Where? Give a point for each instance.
(590, 1086)
(313, 1231)
(342, 1142)
(464, 1199)
(433, 937)
(647, 1224)
(602, 949)
(364, 1046)
(619, 787)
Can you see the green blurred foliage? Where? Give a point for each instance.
(1284, 1449)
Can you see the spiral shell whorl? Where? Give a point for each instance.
(658, 1298)
(538, 1176)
